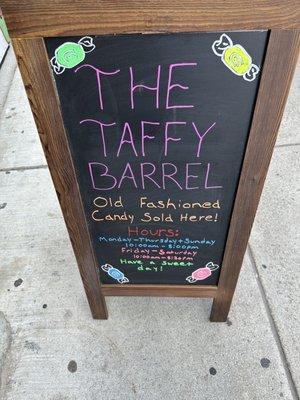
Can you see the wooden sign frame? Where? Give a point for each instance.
(30, 21)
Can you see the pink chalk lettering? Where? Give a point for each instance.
(102, 125)
(206, 179)
(99, 72)
(171, 85)
(154, 88)
(91, 166)
(201, 137)
(169, 138)
(169, 175)
(130, 176)
(145, 136)
(148, 175)
(190, 176)
(128, 141)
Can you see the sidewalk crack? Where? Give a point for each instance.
(273, 326)
(286, 145)
(42, 166)
(4, 360)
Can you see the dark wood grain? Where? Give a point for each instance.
(34, 66)
(159, 290)
(41, 18)
(280, 62)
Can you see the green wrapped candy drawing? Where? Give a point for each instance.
(114, 273)
(235, 57)
(3, 29)
(70, 54)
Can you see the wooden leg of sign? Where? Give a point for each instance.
(34, 65)
(280, 62)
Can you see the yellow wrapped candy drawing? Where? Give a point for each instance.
(235, 57)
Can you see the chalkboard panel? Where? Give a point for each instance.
(157, 127)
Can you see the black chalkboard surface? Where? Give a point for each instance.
(157, 126)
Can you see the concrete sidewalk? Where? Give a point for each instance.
(150, 348)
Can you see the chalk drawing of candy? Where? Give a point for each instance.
(114, 273)
(235, 57)
(70, 54)
(202, 273)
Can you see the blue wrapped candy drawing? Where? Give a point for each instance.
(70, 54)
(114, 273)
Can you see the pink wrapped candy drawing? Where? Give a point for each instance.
(202, 273)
